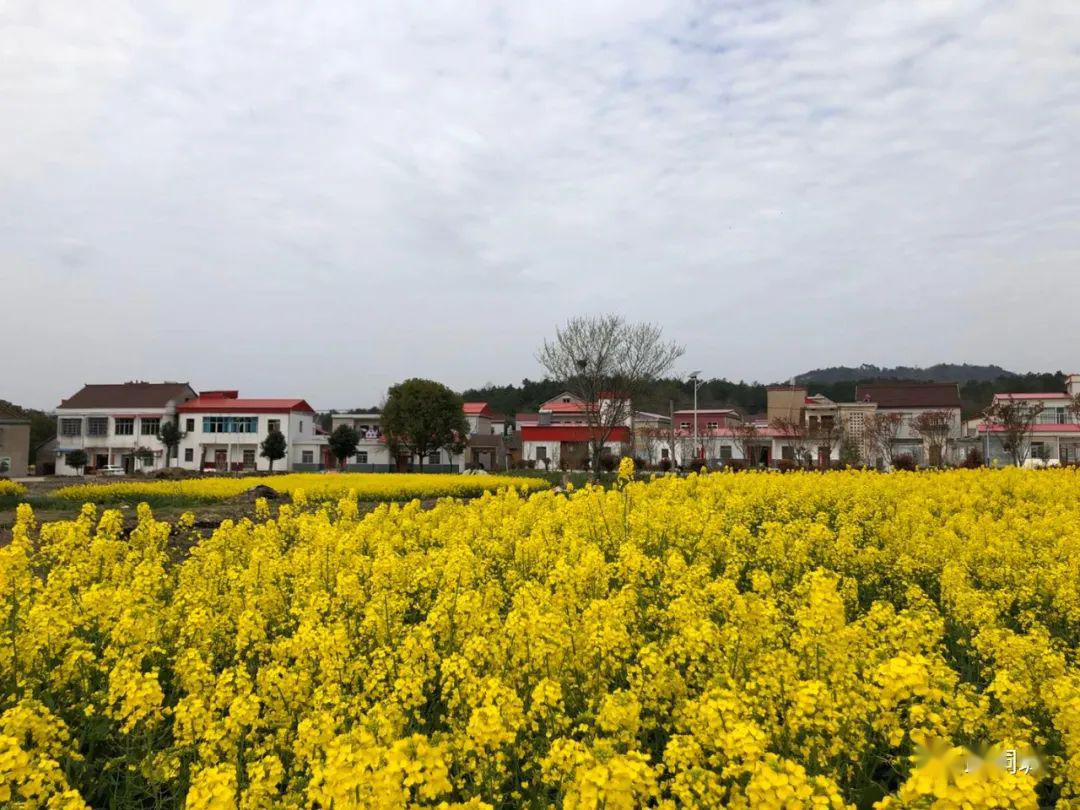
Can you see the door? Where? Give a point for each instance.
(101, 460)
(249, 459)
(220, 460)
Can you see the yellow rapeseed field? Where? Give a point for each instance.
(743, 640)
(8, 487)
(367, 486)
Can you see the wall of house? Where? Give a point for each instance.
(14, 449)
(785, 403)
(112, 445)
(298, 427)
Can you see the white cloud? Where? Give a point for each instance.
(321, 198)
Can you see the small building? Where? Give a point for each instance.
(373, 453)
(909, 400)
(486, 447)
(117, 425)
(1054, 437)
(560, 436)
(223, 432)
(14, 443)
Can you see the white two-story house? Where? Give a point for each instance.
(223, 432)
(117, 425)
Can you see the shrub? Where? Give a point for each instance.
(665, 464)
(736, 464)
(786, 465)
(973, 460)
(608, 462)
(905, 462)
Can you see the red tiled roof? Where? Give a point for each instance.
(569, 433)
(477, 409)
(129, 395)
(910, 395)
(228, 404)
(563, 407)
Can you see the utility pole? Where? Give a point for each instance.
(695, 378)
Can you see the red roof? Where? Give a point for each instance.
(477, 409)
(563, 407)
(569, 433)
(228, 402)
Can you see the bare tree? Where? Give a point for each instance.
(606, 362)
(1073, 407)
(1012, 421)
(935, 428)
(825, 435)
(796, 436)
(745, 437)
(881, 431)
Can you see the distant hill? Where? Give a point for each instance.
(942, 372)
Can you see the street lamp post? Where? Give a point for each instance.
(695, 378)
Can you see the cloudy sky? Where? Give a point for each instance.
(321, 198)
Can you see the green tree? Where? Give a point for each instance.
(170, 436)
(422, 416)
(273, 447)
(343, 443)
(76, 459)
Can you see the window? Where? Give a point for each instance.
(71, 427)
(308, 457)
(189, 425)
(249, 458)
(230, 424)
(787, 452)
(541, 453)
(725, 452)
(97, 426)
(433, 458)
(361, 456)
(148, 461)
(301, 425)
(273, 426)
(664, 453)
(712, 425)
(189, 454)
(150, 426)
(684, 425)
(125, 426)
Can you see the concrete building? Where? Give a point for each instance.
(117, 425)
(909, 400)
(486, 448)
(558, 435)
(1055, 435)
(14, 443)
(224, 433)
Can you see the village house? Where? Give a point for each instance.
(909, 400)
(224, 432)
(1054, 437)
(373, 450)
(487, 448)
(117, 425)
(558, 434)
(14, 443)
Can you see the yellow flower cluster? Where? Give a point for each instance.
(728, 640)
(317, 486)
(11, 488)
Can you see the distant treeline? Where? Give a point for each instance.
(975, 394)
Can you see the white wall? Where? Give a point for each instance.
(298, 427)
(115, 446)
